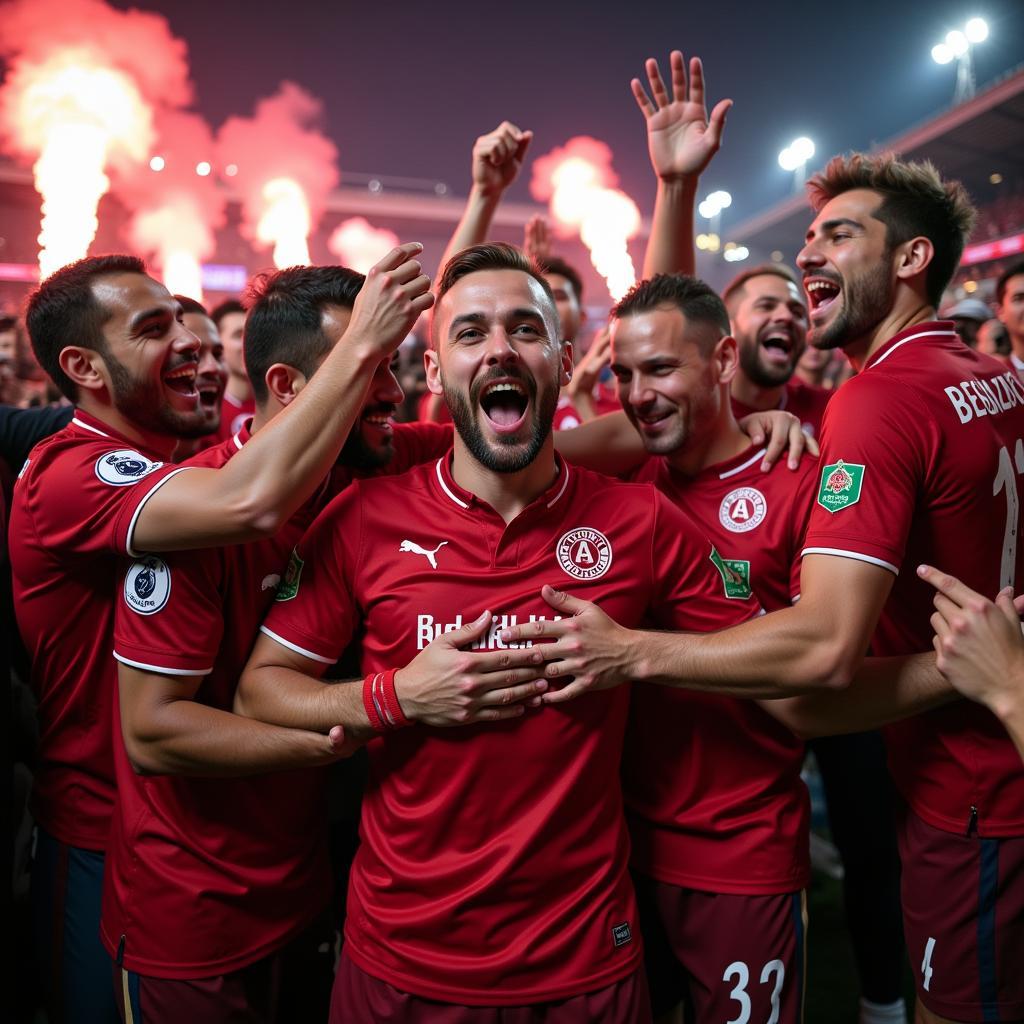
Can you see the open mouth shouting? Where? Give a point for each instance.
(822, 293)
(505, 402)
(211, 391)
(182, 379)
(777, 345)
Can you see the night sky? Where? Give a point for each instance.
(408, 86)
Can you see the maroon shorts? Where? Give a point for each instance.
(963, 915)
(725, 957)
(293, 984)
(359, 997)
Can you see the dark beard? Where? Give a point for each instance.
(357, 454)
(142, 403)
(866, 302)
(508, 457)
(750, 364)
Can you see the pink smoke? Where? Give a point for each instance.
(359, 245)
(286, 169)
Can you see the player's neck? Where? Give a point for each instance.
(754, 395)
(159, 444)
(900, 317)
(722, 442)
(507, 493)
(238, 388)
(1017, 345)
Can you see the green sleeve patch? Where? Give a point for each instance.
(735, 575)
(841, 484)
(289, 585)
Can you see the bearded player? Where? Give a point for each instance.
(492, 877)
(921, 455)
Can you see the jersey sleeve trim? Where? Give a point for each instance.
(138, 509)
(859, 556)
(296, 648)
(161, 669)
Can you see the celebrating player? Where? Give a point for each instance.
(918, 459)
(112, 338)
(493, 867)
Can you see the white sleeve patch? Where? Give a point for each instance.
(147, 586)
(124, 467)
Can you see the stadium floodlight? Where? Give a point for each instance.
(794, 158)
(712, 205)
(976, 30)
(157, 163)
(958, 46)
(736, 253)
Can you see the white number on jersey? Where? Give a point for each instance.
(1006, 479)
(926, 963)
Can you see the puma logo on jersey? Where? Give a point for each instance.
(412, 548)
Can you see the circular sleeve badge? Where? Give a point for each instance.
(124, 467)
(584, 553)
(147, 585)
(742, 509)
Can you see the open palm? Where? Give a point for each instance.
(681, 138)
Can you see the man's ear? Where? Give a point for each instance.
(284, 382)
(85, 367)
(726, 359)
(567, 363)
(913, 258)
(433, 369)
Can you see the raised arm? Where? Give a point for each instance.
(279, 468)
(681, 140)
(497, 158)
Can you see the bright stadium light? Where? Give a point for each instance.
(976, 30)
(959, 45)
(735, 253)
(794, 158)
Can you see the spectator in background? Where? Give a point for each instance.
(238, 405)
(1010, 310)
(993, 339)
(211, 378)
(968, 315)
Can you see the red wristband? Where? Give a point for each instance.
(392, 708)
(372, 702)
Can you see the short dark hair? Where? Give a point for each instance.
(556, 265)
(191, 306)
(733, 291)
(1004, 279)
(696, 300)
(285, 319)
(488, 256)
(915, 202)
(222, 309)
(64, 311)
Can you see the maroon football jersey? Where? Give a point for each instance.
(74, 509)
(493, 866)
(921, 462)
(805, 402)
(712, 784)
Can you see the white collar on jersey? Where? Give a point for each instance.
(86, 426)
(458, 501)
(911, 337)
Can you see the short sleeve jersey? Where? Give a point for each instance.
(712, 784)
(922, 457)
(75, 506)
(254, 847)
(805, 402)
(493, 863)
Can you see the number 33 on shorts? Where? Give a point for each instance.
(773, 973)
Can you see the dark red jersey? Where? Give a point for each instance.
(805, 402)
(712, 784)
(74, 509)
(922, 456)
(493, 864)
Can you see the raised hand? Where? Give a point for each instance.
(387, 306)
(445, 685)
(681, 138)
(537, 239)
(498, 156)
